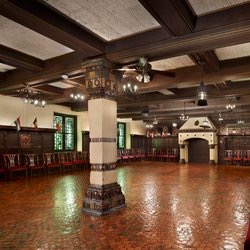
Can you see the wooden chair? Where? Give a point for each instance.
(246, 158)
(228, 156)
(151, 154)
(66, 161)
(35, 162)
(165, 155)
(85, 157)
(3, 169)
(52, 162)
(78, 159)
(14, 163)
(173, 156)
(237, 157)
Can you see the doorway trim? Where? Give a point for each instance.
(190, 130)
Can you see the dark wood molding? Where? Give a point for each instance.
(48, 22)
(173, 15)
(209, 60)
(27, 129)
(18, 59)
(53, 69)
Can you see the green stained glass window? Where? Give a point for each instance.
(69, 133)
(58, 138)
(121, 131)
(64, 138)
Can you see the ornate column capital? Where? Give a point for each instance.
(101, 81)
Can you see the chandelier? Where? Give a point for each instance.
(128, 85)
(32, 97)
(230, 106)
(77, 97)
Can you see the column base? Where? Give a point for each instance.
(182, 161)
(212, 162)
(103, 199)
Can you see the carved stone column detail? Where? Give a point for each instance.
(104, 194)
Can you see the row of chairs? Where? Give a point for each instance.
(164, 155)
(47, 162)
(237, 157)
(125, 155)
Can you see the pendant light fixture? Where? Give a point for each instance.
(201, 91)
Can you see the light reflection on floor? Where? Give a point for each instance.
(169, 206)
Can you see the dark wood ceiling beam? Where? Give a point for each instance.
(21, 60)
(53, 69)
(191, 76)
(173, 15)
(51, 90)
(147, 37)
(203, 40)
(224, 17)
(208, 59)
(39, 17)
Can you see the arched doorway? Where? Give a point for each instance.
(198, 151)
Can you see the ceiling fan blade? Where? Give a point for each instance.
(78, 85)
(165, 73)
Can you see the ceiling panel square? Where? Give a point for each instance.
(172, 63)
(207, 6)
(20, 38)
(109, 19)
(235, 51)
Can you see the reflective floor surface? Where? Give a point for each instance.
(169, 206)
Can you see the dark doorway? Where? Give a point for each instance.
(198, 151)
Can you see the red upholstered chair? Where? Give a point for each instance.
(228, 156)
(85, 157)
(124, 155)
(15, 163)
(165, 155)
(174, 153)
(66, 161)
(52, 162)
(246, 158)
(151, 154)
(119, 156)
(78, 159)
(35, 162)
(3, 169)
(237, 157)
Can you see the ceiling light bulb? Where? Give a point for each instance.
(139, 77)
(146, 78)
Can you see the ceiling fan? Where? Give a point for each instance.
(73, 80)
(145, 71)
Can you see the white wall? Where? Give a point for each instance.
(11, 108)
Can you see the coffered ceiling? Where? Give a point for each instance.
(42, 40)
